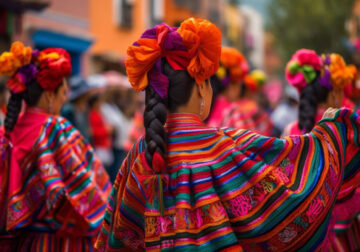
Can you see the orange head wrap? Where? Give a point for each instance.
(194, 46)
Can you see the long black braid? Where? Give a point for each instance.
(154, 120)
(31, 96)
(311, 95)
(13, 110)
(180, 82)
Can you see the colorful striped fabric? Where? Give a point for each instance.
(59, 202)
(234, 190)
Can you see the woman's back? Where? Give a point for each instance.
(50, 165)
(226, 189)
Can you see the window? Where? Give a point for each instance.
(191, 5)
(157, 11)
(123, 13)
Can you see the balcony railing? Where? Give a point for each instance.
(23, 5)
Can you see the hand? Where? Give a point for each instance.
(329, 113)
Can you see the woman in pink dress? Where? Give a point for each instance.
(321, 82)
(246, 113)
(227, 83)
(53, 189)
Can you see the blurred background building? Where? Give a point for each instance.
(97, 33)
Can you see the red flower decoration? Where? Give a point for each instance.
(55, 65)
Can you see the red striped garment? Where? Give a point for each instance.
(233, 190)
(54, 189)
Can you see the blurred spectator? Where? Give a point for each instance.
(117, 92)
(273, 91)
(101, 132)
(136, 130)
(76, 111)
(3, 100)
(286, 112)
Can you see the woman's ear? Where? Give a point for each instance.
(204, 88)
(49, 96)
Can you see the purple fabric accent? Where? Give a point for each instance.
(28, 72)
(158, 80)
(149, 33)
(325, 79)
(327, 60)
(226, 80)
(173, 41)
(34, 55)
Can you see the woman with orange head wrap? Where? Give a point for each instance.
(53, 189)
(235, 106)
(187, 186)
(227, 83)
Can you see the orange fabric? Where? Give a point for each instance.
(341, 75)
(140, 60)
(251, 83)
(235, 62)
(200, 37)
(18, 56)
(203, 40)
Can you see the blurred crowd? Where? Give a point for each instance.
(109, 113)
(105, 109)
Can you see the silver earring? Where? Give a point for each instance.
(202, 107)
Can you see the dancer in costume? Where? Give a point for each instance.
(53, 188)
(321, 82)
(352, 91)
(227, 83)
(186, 186)
(246, 113)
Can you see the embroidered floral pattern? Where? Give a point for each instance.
(315, 208)
(287, 235)
(240, 205)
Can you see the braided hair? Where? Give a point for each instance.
(156, 108)
(31, 96)
(311, 96)
(13, 110)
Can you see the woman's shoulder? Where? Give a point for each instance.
(58, 125)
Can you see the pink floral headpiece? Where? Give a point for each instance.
(303, 68)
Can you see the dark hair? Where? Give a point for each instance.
(311, 95)
(31, 96)
(216, 86)
(93, 99)
(2, 86)
(155, 114)
(243, 89)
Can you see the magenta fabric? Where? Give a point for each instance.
(216, 114)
